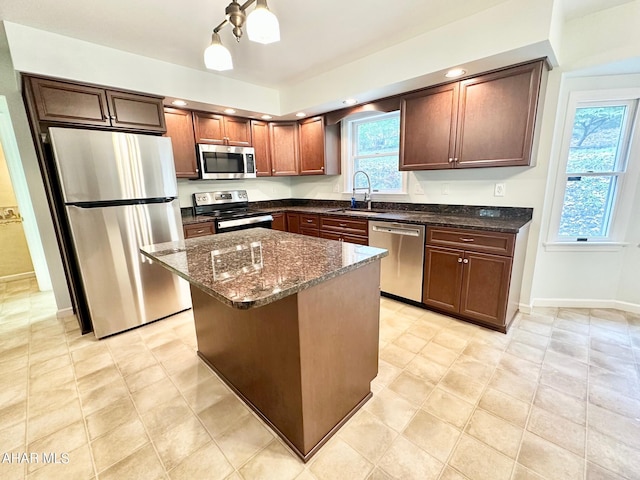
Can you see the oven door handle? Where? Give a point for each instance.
(223, 224)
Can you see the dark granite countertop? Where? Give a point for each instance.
(254, 267)
(497, 219)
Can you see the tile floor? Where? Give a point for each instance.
(557, 398)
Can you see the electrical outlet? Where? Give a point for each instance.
(417, 189)
(445, 189)
(499, 190)
(336, 187)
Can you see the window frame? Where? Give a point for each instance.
(348, 132)
(626, 169)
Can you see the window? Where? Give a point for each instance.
(374, 142)
(597, 159)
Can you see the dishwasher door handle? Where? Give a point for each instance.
(397, 231)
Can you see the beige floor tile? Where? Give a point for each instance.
(473, 368)
(337, 460)
(221, 415)
(244, 439)
(206, 393)
(98, 378)
(165, 415)
(516, 386)
(92, 364)
(386, 373)
(144, 377)
(109, 417)
(54, 378)
(561, 404)
(520, 366)
(506, 407)
(532, 339)
(451, 340)
(614, 401)
(195, 373)
(621, 383)
(423, 331)
(623, 429)
(448, 407)
(483, 353)
(577, 352)
(147, 397)
(46, 366)
(480, 462)
(42, 402)
(439, 354)
(548, 459)
(13, 438)
(118, 444)
(558, 430)
(611, 363)
(526, 352)
(274, 458)
(426, 369)
(410, 342)
(377, 474)
(407, 461)
(450, 474)
(179, 442)
(462, 385)
(535, 327)
(495, 432)
(78, 466)
(566, 365)
(596, 472)
(14, 470)
(392, 409)
(433, 435)
(412, 388)
(44, 424)
(136, 361)
(612, 455)
(396, 355)
(571, 337)
(100, 397)
(576, 387)
(368, 436)
(65, 440)
(523, 473)
(142, 463)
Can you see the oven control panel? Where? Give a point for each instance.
(216, 198)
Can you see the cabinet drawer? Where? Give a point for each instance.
(308, 220)
(344, 237)
(199, 229)
(344, 225)
(311, 232)
(490, 242)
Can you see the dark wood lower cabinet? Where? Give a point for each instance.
(468, 282)
(279, 222)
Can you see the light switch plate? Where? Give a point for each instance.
(417, 189)
(445, 189)
(499, 190)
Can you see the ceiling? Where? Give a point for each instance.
(317, 35)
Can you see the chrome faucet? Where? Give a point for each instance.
(367, 194)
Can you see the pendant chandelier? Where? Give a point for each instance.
(262, 27)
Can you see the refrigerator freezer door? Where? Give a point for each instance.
(123, 288)
(104, 166)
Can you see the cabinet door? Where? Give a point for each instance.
(209, 128)
(293, 222)
(496, 117)
(198, 229)
(284, 148)
(180, 130)
(237, 131)
(312, 146)
(70, 103)
(136, 112)
(428, 128)
(279, 222)
(262, 147)
(485, 287)
(442, 278)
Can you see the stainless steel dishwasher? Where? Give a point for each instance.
(402, 270)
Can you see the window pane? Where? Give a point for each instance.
(595, 138)
(587, 206)
(378, 136)
(383, 172)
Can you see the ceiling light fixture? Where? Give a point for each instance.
(301, 114)
(266, 117)
(179, 103)
(262, 27)
(230, 111)
(455, 72)
(350, 101)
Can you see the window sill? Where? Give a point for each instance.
(584, 246)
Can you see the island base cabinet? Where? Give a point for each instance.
(304, 363)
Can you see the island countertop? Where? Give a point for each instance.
(258, 266)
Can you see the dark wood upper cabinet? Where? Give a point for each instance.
(180, 130)
(262, 147)
(319, 147)
(221, 130)
(76, 104)
(485, 121)
(284, 148)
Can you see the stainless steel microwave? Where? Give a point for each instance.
(218, 162)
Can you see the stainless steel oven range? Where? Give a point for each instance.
(230, 210)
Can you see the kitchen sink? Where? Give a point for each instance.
(364, 213)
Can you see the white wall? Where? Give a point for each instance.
(629, 284)
(257, 188)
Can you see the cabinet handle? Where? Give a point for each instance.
(451, 160)
(112, 117)
(342, 225)
(459, 260)
(322, 168)
(466, 260)
(273, 170)
(455, 159)
(200, 231)
(309, 221)
(467, 239)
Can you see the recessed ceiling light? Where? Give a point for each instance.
(229, 110)
(350, 101)
(266, 117)
(455, 72)
(301, 114)
(179, 103)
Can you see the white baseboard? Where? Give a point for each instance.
(64, 312)
(17, 276)
(583, 303)
(525, 308)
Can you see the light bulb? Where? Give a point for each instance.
(262, 24)
(216, 56)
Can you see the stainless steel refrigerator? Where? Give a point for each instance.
(120, 192)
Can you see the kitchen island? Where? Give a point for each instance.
(289, 322)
